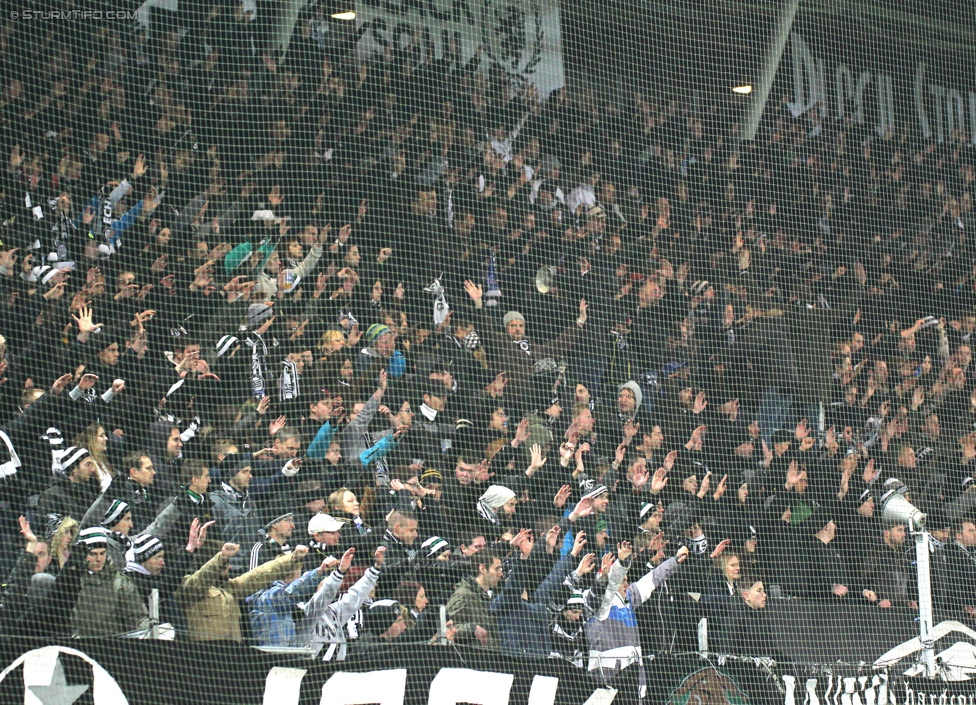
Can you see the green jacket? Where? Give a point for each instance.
(468, 607)
(108, 604)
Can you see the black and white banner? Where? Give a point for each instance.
(914, 91)
(134, 672)
(521, 37)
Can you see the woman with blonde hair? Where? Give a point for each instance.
(331, 342)
(61, 541)
(344, 506)
(94, 439)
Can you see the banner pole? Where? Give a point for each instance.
(925, 601)
(774, 52)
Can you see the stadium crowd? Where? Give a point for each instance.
(313, 349)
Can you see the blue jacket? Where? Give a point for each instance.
(523, 625)
(271, 610)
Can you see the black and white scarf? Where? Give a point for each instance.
(289, 380)
(488, 513)
(259, 364)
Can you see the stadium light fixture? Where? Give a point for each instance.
(743, 90)
(346, 15)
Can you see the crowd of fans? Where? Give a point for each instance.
(310, 350)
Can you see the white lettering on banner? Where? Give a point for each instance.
(463, 685)
(852, 690)
(283, 685)
(522, 37)
(942, 111)
(383, 687)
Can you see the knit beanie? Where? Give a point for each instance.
(512, 316)
(115, 513)
(496, 496)
(375, 332)
(635, 389)
(145, 546)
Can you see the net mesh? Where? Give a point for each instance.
(448, 349)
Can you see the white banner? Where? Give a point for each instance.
(522, 37)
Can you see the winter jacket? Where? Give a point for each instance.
(469, 607)
(235, 514)
(400, 565)
(108, 605)
(267, 285)
(612, 634)
(324, 622)
(210, 601)
(272, 623)
(524, 624)
(68, 498)
(518, 358)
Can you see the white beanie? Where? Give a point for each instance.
(496, 496)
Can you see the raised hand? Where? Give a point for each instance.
(720, 549)
(586, 564)
(25, 531)
(86, 326)
(476, 292)
(229, 550)
(552, 537)
(607, 563)
(624, 550)
(276, 425)
(659, 481)
(700, 403)
(347, 559)
(640, 475)
(379, 557)
(61, 383)
(720, 490)
(631, 429)
(620, 454)
(562, 495)
(537, 460)
(682, 554)
(669, 460)
(703, 488)
(521, 433)
(583, 508)
(300, 552)
(578, 543)
(481, 473)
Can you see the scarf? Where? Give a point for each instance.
(259, 367)
(289, 380)
(488, 513)
(133, 567)
(523, 345)
(9, 461)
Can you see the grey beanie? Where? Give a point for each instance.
(513, 316)
(635, 388)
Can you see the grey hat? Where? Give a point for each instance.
(635, 390)
(258, 314)
(513, 316)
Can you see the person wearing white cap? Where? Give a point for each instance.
(324, 530)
